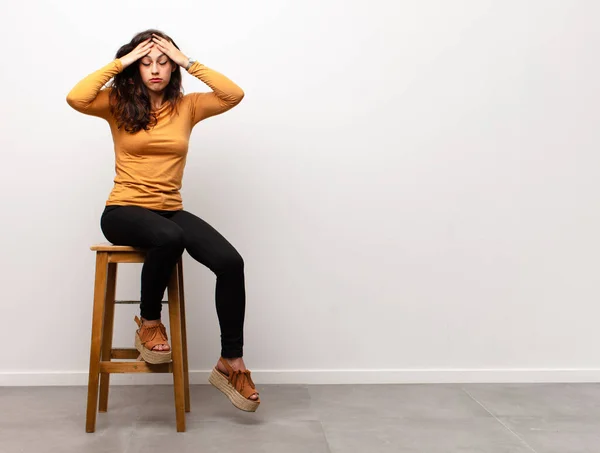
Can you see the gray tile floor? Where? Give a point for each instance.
(490, 418)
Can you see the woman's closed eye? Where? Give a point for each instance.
(162, 64)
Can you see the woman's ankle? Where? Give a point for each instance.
(237, 363)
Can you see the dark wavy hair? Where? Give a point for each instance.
(129, 98)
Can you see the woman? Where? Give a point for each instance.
(151, 120)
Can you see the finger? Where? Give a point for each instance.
(142, 48)
(144, 52)
(160, 40)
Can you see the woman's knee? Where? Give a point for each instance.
(231, 263)
(170, 238)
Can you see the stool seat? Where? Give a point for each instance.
(108, 247)
(108, 256)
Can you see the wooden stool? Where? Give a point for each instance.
(101, 353)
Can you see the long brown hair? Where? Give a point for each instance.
(129, 97)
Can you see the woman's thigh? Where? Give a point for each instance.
(206, 245)
(138, 227)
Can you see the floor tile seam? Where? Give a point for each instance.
(500, 421)
(327, 443)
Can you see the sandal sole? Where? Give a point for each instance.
(152, 357)
(236, 398)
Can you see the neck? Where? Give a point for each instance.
(156, 99)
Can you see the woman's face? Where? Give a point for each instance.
(155, 70)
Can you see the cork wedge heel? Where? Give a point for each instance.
(236, 385)
(148, 337)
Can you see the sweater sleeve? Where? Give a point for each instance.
(225, 94)
(88, 97)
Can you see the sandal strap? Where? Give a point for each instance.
(150, 336)
(241, 380)
(226, 365)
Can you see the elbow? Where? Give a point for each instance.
(239, 96)
(72, 101)
(231, 99)
(77, 103)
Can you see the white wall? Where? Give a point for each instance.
(413, 186)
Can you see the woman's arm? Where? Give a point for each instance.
(224, 96)
(88, 97)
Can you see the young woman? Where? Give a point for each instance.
(151, 120)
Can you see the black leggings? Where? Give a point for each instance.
(165, 235)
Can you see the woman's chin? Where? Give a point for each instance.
(155, 88)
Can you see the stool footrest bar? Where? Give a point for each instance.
(125, 302)
(135, 367)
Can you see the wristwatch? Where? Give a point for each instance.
(191, 62)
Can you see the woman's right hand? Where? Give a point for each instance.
(140, 51)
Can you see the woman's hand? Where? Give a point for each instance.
(140, 51)
(170, 50)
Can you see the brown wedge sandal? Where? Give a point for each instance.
(236, 385)
(146, 337)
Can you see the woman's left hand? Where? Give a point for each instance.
(170, 50)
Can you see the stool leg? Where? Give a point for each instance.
(109, 319)
(186, 375)
(177, 346)
(96, 341)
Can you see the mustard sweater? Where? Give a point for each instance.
(149, 164)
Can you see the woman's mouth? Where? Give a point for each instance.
(155, 80)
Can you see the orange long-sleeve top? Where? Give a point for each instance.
(149, 164)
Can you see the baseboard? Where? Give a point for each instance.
(407, 376)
